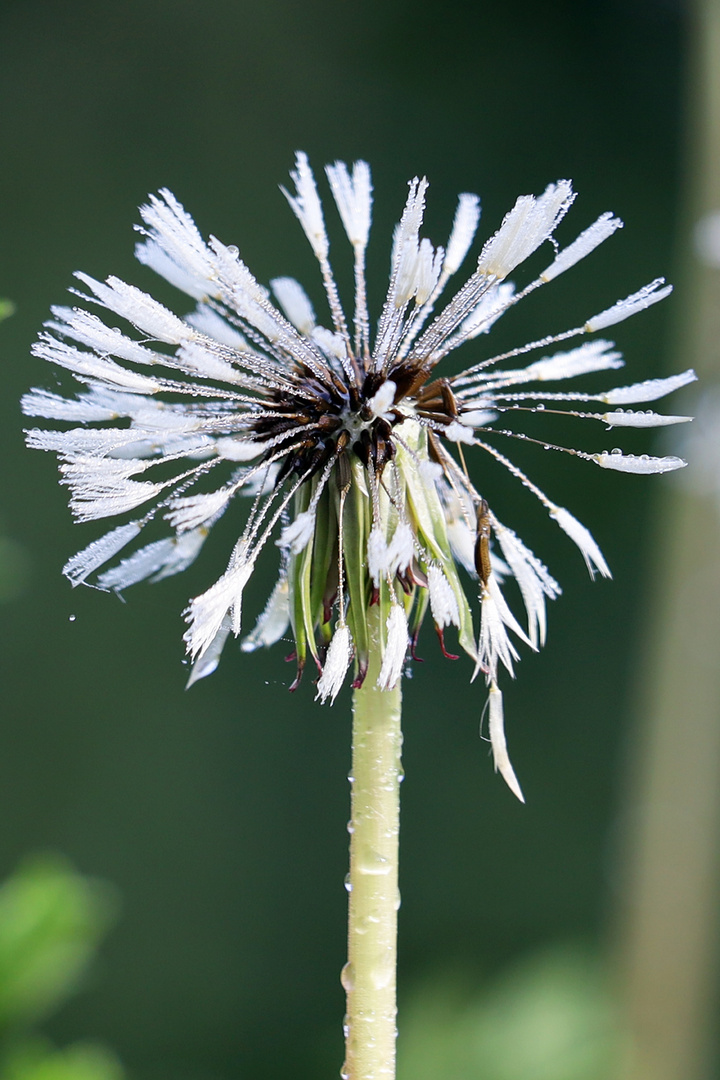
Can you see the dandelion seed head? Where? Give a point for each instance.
(341, 447)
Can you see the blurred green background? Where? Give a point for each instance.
(219, 814)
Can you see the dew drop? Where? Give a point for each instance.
(381, 977)
(546, 446)
(348, 883)
(71, 618)
(233, 250)
(350, 827)
(540, 407)
(347, 978)
(374, 864)
(616, 450)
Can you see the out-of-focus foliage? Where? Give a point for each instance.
(37, 1060)
(550, 1017)
(51, 922)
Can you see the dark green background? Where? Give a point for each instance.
(220, 813)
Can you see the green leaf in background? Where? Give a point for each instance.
(37, 1060)
(6, 308)
(551, 1017)
(51, 920)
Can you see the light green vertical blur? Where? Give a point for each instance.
(669, 932)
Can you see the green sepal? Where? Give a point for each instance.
(298, 571)
(325, 555)
(356, 527)
(415, 618)
(428, 516)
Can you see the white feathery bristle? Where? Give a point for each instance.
(162, 558)
(638, 463)
(88, 330)
(459, 431)
(406, 244)
(586, 242)
(427, 271)
(638, 301)
(139, 308)
(191, 511)
(377, 555)
(102, 487)
(209, 322)
(99, 551)
(209, 659)
(297, 535)
(649, 390)
(337, 662)
(233, 448)
(631, 418)
(476, 418)
(151, 253)
(592, 356)
(443, 602)
(498, 743)
(383, 399)
(418, 271)
(207, 612)
(401, 548)
(53, 407)
(483, 317)
(395, 649)
(462, 543)
(89, 366)
(306, 205)
(465, 223)
(274, 620)
(203, 360)
(530, 222)
(430, 472)
(533, 578)
(295, 302)
(494, 643)
(582, 537)
(332, 344)
(235, 278)
(174, 247)
(90, 441)
(353, 197)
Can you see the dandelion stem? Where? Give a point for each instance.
(369, 975)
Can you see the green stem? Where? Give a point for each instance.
(369, 975)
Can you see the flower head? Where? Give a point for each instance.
(341, 444)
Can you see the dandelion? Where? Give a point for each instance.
(344, 446)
